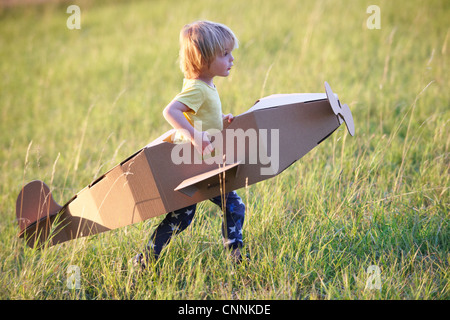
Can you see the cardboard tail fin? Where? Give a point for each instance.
(35, 205)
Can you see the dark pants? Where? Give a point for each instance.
(178, 220)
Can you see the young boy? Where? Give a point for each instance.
(205, 52)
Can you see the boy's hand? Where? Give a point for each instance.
(203, 147)
(229, 117)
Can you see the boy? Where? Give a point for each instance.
(205, 52)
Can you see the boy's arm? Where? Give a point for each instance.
(173, 113)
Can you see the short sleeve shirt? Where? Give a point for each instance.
(204, 104)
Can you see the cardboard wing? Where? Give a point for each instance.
(162, 177)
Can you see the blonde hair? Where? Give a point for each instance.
(200, 42)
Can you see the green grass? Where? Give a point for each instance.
(76, 102)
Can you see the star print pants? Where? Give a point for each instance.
(177, 221)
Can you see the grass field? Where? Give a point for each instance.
(76, 102)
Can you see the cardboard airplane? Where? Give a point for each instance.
(163, 176)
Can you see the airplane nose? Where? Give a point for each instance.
(348, 119)
(343, 112)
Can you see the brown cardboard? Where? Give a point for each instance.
(149, 183)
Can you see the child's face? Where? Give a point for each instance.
(222, 64)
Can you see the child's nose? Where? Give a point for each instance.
(231, 57)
